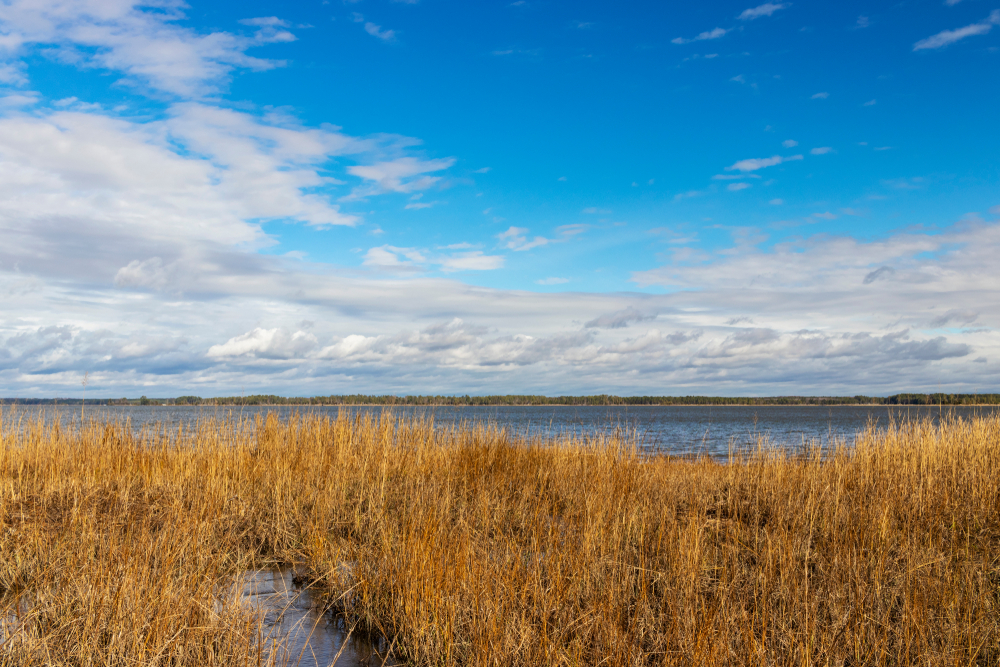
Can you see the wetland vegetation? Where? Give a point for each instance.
(468, 545)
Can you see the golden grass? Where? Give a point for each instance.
(467, 546)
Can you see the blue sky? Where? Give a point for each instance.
(498, 197)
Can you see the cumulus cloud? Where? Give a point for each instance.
(766, 9)
(946, 37)
(266, 344)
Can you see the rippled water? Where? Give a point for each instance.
(710, 430)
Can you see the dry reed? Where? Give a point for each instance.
(467, 546)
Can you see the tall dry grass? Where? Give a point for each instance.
(467, 546)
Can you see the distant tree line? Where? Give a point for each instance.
(526, 400)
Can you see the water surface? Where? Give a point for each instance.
(304, 635)
(682, 430)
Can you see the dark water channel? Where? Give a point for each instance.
(301, 632)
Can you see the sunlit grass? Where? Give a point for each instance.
(469, 546)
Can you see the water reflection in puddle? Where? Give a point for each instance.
(306, 636)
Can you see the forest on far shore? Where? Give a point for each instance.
(525, 400)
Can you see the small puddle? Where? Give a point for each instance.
(306, 636)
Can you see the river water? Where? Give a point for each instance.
(679, 430)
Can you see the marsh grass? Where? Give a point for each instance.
(465, 545)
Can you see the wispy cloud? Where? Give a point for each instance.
(411, 260)
(516, 238)
(150, 48)
(753, 164)
(946, 37)
(376, 30)
(820, 96)
(766, 9)
(736, 187)
(789, 143)
(405, 174)
(620, 319)
(821, 150)
(708, 34)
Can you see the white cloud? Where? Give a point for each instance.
(820, 96)
(776, 202)
(515, 238)
(391, 257)
(869, 103)
(753, 164)
(734, 187)
(266, 344)
(862, 22)
(12, 75)
(821, 150)
(789, 143)
(620, 319)
(766, 9)
(946, 37)
(376, 31)
(149, 47)
(405, 174)
(828, 312)
(552, 281)
(410, 260)
(708, 34)
(474, 260)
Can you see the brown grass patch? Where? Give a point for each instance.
(466, 546)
